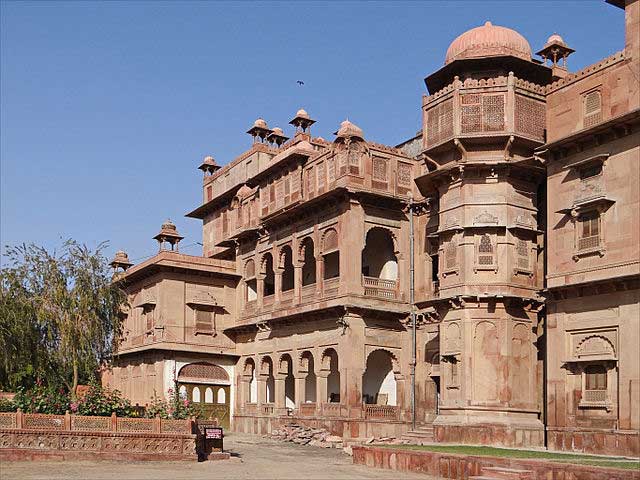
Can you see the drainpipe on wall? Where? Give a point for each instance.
(413, 316)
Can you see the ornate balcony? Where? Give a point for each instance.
(384, 412)
(308, 409)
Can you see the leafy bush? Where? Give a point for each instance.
(42, 399)
(102, 402)
(7, 405)
(176, 408)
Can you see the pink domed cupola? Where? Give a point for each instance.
(488, 41)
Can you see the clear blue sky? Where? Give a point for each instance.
(108, 108)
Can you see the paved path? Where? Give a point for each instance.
(253, 458)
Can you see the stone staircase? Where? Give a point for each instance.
(503, 473)
(422, 435)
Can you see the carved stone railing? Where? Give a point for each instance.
(286, 297)
(250, 408)
(384, 412)
(308, 409)
(332, 410)
(595, 396)
(268, 300)
(267, 409)
(308, 292)
(378, 287)
(330, 286)
(85, 423)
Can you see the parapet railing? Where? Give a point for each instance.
(84, 423)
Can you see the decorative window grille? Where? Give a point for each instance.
(280, 193)
(595, 384)
(380, 167)
(342, 159)
(486, 254)
(493, 113)
(272, 192)
(331, 169)
(209, 193)
(295, 181)
(530, 117)
(321, 175)
(589, 231)
(264, 197)
(287, 185)
(440, 122)
(355, 153)
(522, 249)
(404, 174)
(471, 113)
(451, 254)
(311, 180)
(330, 241)
(592, 108)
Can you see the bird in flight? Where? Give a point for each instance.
(300, 82)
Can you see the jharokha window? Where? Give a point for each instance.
(486, 253)
(595, 390)
(205, 320)
(589, 231)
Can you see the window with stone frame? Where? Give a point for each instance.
(404, 174)
(380, 169)
(204, 319)
(148, 317)
(331, 169)
(485, 252)
(589, 226)
(592, 102)
(321, 175)
(595, 385)
(523, 255)
(450, 255)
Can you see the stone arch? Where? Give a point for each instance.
(267, 272)
(330, 241)
(379, 384)
(595, 344)
(325, 358)
(249, 366)
(265, 363)
(304, 243)
(303, 360)
(286, 368)
(198, 371)
(284, 362)
(249, 269)
(285, 265)
(330, 366)
(379, 256)
(389, 231)
(306, 252)
(485, 357)
(307, 366)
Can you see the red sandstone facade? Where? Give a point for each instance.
(523, 187)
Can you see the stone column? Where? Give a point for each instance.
(262, 389)
(319, 274)
(297, 283)
(277, 278)
(300, 389)
(260, 292)
(280, 394)
(321, 387)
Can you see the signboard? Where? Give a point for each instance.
(213, 433)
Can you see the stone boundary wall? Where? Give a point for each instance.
(343, 427)
(444, 465)
(603, 442)
(76, 437)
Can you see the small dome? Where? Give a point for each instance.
(209, 160)
(348, 129)
(168, 225)
(555, 38)
(277, 131)
(488, 41)
(260, 123)
(302, 113)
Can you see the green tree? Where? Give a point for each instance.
(70, 308)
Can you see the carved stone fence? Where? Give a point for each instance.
(34, 435)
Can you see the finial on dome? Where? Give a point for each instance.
(488, 24)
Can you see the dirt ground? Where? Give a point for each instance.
(253, 457)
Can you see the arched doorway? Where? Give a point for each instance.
(378, 380)
(208, 386)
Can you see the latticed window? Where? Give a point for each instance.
(522, 249)
(321, 175)
(404, 174)
(331, 169)
(485, 250)
(355, 153)
(380, 169)
(440, 122)
(589, 231)
(147, 314)
(279, 193)
(311, 180)
(295, 181)
(592, 108)
(530, 117)
(451, 254)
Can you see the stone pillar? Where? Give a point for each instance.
(260, 292)
(319, 274)
(321, 387)
(277, 278)
(262, 389)
(280, 403)
(300, 389)
(297, 283)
